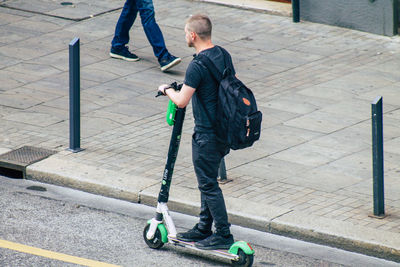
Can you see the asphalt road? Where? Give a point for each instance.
(89, 229)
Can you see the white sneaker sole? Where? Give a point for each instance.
(170, 65)
(122, 57)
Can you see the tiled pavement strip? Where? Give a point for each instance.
(309, 176)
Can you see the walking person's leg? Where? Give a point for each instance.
(121, 35)
(151, 28)
(154, 34)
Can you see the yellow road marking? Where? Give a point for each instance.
(52, 255)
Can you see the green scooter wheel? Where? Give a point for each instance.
(156, 242)
(245, 260)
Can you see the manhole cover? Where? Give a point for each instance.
(20, 158)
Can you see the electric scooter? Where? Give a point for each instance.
(161, 229)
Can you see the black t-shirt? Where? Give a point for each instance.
(198, 77)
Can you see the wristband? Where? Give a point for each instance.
(165, 90)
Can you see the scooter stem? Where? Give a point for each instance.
(172, 154)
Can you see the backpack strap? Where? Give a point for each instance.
(216, 75)
(226, 57)
(210, 66)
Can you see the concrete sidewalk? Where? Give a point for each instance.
(310, 175)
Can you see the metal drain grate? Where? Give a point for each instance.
(20, 158)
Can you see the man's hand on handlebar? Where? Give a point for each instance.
(161, 89)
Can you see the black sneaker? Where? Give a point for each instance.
(193, 235)
(215, 241)
(123, 53)
(168, 62)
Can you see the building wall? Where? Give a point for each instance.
(375, 16)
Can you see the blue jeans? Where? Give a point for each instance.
(150, 26)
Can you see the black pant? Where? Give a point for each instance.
(207, 154)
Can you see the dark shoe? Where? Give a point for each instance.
(168, 62)
(215, 241)
(123, 53)
(193, 235)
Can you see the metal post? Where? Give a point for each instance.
(396, 17)
(74, 96)
(377, 154)
(222, 171)
(223, 179)
(296, 10)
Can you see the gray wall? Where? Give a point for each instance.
(379, 16)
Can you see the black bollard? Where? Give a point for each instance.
(74, 96)
(296, 10)
(222, 177)
(222, 171)
(377, 154)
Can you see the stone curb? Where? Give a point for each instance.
(87, 178)
(264, 6)
(338, 234)
(245, 213)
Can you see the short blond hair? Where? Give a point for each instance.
(201, 25)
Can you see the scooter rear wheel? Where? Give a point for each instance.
(156, 241)
(244, 259)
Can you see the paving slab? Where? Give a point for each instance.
(332, 180)
(77, 10)
(324, 122)
(269, 168)
(257, 5)
(335, 94)
(38, 119)
(18, 101)
(9, 18)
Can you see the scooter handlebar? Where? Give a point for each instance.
(159, 93)
(173, 85)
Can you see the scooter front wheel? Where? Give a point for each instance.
(245, 260)
(156, 241)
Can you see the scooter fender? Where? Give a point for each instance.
(247, 249)
(163, 230)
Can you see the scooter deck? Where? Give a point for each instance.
(218, 252)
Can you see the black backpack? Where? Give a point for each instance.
(238, 122)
